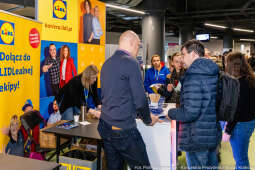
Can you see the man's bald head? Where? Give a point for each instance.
(130, 42)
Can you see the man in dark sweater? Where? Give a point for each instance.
(123, 100)
(52, 65)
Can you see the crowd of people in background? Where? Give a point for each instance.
(123, 99)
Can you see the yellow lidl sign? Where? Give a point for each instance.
(7, 32)
(19, 67)
(59, 9)
(60, 20)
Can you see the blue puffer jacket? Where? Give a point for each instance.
(199, 129)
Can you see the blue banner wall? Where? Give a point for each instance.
(45, 89)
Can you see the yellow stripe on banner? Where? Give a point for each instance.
(74, 167)
(68, 166)
(90, 54)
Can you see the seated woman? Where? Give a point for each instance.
(16, 144)
(78, 91)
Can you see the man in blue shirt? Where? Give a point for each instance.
(97, 30)
(123, 100)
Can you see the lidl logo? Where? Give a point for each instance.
(6, 33)
(59, 9)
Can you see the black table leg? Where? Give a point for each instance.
(58, 148)
(99, 147)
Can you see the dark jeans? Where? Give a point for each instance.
(70, 112)
(123, 145)
(55, 89)
(203, 160)
(240, 139)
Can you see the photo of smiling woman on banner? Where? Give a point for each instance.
(67, 67)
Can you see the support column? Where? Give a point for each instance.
(228, 40)
(185, 33)
(153, 36)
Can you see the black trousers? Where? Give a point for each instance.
(95, 41)
(55, 89)
(123, 146)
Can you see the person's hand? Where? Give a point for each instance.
(97, 114)
(169, 87)
(46, 68)
(154, 119)
(99, 107)
(225, 137)
(49, 66)
(161, 120)
(89, 40)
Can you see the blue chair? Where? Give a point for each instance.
(46, 108)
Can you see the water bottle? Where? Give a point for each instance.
(83, 112)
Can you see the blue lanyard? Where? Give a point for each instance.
(86, 94)
(156, 75)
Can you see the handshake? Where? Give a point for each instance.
(46, 67)
(155, 119)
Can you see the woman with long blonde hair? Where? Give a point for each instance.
(77, 92)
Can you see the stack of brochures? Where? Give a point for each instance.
(67, 125)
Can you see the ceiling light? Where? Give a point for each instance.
(247, 39)
(216, 26)
(214, 37)
(130, 18)
(243, 30)
(125, 9)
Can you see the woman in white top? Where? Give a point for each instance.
(67, 68)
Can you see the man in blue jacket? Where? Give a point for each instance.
(123, 100)
(199, 131)
(156, 74)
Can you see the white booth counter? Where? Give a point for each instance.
(161, 151)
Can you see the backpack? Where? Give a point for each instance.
(227, 97)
